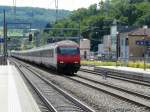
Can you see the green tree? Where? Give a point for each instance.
(95, 22)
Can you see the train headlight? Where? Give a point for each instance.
(76, 62)
(61, 62)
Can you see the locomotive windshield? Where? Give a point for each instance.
(68, 50)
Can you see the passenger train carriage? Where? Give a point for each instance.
(63, 56)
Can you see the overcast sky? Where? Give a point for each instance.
(50, 4)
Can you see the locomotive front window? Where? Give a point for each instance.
(68, 50)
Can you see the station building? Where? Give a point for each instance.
(133, 42)
(117, 34)
(85, 48)
(138, 42)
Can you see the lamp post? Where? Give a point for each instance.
(145, 27)
(144, 56)
(117, 46)
(144, 53)
(5, 38)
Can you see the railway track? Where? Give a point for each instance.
(121, 93)
(131, 96)
(112, 75)
(55, 99)
(133, 92)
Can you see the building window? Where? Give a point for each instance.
(127, 42)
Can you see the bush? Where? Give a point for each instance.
(134, 64)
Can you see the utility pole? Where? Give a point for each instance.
(145, 46)
(118, 46)
(37, 38)
(5, 38)
(106, 7)
(79, 32)
(56, 6)
(14, 8)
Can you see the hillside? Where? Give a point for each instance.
(95, 21)
(39, 17)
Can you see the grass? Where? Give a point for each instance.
(134, 64)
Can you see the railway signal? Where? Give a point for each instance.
(30, 37)
(1, 40)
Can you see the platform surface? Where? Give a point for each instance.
(128, 69)
(121, 68)
(14, 95)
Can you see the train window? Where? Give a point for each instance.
(31, 54)
(68, 50)
(43, 53)
(38, 53)
(46, 53)
(51, 52)
(35, 54)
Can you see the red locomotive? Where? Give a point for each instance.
(63, 56)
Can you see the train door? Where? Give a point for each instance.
(85, 54)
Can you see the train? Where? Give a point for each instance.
(62, 56)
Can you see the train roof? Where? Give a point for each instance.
(66, 42)
(52, 45)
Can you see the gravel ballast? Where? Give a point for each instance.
(124, 84)
(100, 101)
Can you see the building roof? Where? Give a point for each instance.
(126, 29)
(140, 32)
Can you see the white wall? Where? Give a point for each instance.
(124, 50)
(85, 46)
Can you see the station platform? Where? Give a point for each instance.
(129, 72)
(128, 69)
(14, 94)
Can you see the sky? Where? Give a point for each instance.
(50, 4)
